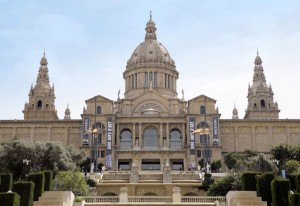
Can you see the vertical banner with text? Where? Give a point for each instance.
(86, 124)
(108, 162)
(192, 164)
(216, 140)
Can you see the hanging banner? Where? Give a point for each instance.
(108, 162)
(86, 124)
(192, 164)
(216, 140)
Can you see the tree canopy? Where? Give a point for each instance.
(19, 157)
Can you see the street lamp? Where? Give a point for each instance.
(94, 150)
(205, 131)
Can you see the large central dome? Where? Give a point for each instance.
(150, 51)
(150, 67)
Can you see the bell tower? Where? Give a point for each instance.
(260, 96)
(41, 97)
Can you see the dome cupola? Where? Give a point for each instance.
(150, 66)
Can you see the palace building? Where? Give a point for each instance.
(148, 136)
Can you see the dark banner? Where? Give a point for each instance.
(86, 124)
(216, 139)
(108, 162)
(192, 143)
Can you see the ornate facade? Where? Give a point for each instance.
(150, 130)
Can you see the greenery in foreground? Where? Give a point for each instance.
(281, 156)
(20, 157)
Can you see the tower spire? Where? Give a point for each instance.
(150, 29)
(260, 96)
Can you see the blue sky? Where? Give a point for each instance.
(88, 43)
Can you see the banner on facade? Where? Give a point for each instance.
(192, 163)
(216, 139)
(86, 124)
(108, 162)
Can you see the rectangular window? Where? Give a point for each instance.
(146, 79)
(198, 153)
(155, 79)
(102, 153)
(135, 86)
(165, 80)
(132, 82)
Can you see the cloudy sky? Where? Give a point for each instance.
(88, 43)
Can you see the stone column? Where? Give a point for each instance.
(123, 197)
(161, 141)
(167, 135)
(133, 133)
(134, 173)
(183, 136)
(118, 135)
(167, 175)
(176, 195)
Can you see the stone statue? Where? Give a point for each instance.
(92, 168)
(150, 85)
(137, 142)
(119, 94)
(182, 91)
(207, 168)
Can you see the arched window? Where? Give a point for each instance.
(150, 138)
(155, 79)
(135, 84)
(175, 138)
(99, 110)
(262, 103)
(39, 104)
(146, 80)
(169, 81)
(202, 110)
(132, 82)
(150, 76)
(166, 80)
(126, 139)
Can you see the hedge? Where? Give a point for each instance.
(249, 181)
(294, 199)
(39, 181)
(297, 183)
(292, 179)
(26, 191)
(264, 186)
(48, 180)
(9, 199)
(6, 182)
(280, 192)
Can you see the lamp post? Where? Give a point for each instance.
(94, 148)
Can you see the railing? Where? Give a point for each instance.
(101, 198)
(150, 199)
(126, 145)
(203, 199)
(175, 145)
(162, 199)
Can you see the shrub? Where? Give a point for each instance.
(207, 181)
(5, 182)
(216, 165)
(294, 199)
(292, 179)
(48, 180)
(249, 181)
(264, 186)
(9, 199)
(91, 183)
(26, 191)
(221, 186)
(297, 183)
(39, 181)
(280, 189)
(231, 159)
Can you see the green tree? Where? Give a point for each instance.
(71, 181)
(292, 167)
(40, 155)
(231, 159)
(221, 186)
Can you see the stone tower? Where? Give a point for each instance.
(67, 114)
(41, 97)
(260, 96)
(235, 113)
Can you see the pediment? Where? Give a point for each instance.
(98, 98)
(202, 98)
